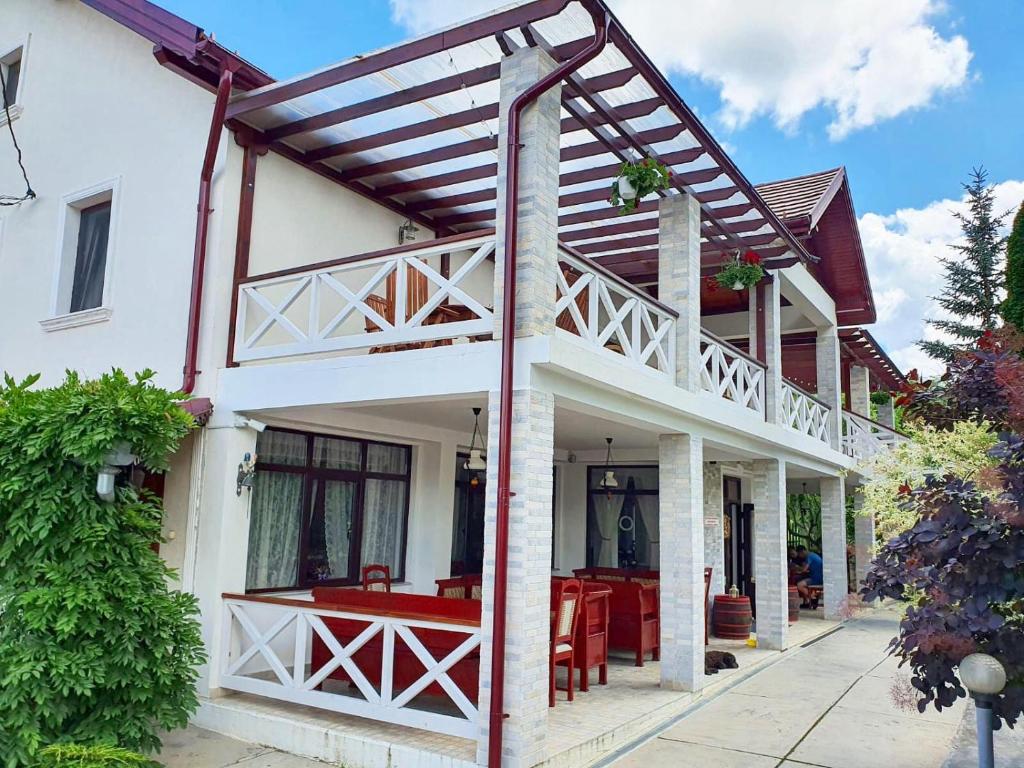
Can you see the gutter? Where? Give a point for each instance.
(497, 700)
(195, 307)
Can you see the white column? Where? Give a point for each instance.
(829, 385)
(681, 506)
(864, 538)
(527, 643)
(537, 252)
(860, 390)
(222, 541)
(833, 545)
(714, 531)
(679, 280)
(768, 492)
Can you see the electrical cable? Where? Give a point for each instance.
(29, 192)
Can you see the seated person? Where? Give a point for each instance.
(795, 566)
(809, 585)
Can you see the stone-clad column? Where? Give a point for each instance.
(714, 535)
(829, 386)
(679, 280)
(529, 577)
(768, 491)
(833, 545)
(860, 390)
(537, 253)
(887, 414)
(771, 295)
(864, 538)
(680, 508)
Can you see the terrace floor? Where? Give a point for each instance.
(596, 725)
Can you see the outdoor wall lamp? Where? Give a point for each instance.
(246, 474)
(407, 232)
(119, 456)
(984, 677)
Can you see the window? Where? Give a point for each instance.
(622, 522)
(10, 68)
(88, 223)
(322, 507)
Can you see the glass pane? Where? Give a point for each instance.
(635, 478)
(384, 523)
(330, 529)
(11, 77)
(90, 257)
(335, 453)
(275, 447)
(392, 459)
(274, 530)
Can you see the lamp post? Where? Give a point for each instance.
(984, 677)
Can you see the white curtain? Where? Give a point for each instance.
(274, 523)
(383, 520)
(339, 497)
(334, 453)
(606, 514)
(648, 506)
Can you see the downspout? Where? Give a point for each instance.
(195, 306)
(515, 110)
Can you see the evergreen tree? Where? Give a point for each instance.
(973, 275)
(1013, 307)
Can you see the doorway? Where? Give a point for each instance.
(738, 530)
(468, 527)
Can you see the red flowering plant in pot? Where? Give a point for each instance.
(742, 272)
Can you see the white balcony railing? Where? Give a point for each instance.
(386, 300)
(608, 313)
(863, 437)
(268, 650)
(804, 412)
(731, 373)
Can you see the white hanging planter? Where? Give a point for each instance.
(738, 286)
(626, 189)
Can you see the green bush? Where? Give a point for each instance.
(102, 756)
(94, 647)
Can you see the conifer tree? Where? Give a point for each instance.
(974, 278)
(1013, 306)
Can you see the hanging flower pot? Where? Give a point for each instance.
(742, 272)
(636, 181)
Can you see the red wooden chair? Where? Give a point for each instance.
(376, 578)
(466, 587)
(566, 596)
(592, 633)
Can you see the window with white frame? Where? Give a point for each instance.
(10, 68)
(85, 249)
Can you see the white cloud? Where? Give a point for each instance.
(864, 61)
(903, 252)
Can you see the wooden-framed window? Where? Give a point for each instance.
(10, 68)
(323, 506)
(622, 522)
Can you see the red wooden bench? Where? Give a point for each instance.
(465, 673)
(467, 587)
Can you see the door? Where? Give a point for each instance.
(739, 536)
(468, 524)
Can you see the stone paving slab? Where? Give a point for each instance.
(196, 748)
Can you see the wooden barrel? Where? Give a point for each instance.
(732, 617)
(794, 604)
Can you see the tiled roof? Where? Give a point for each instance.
(801, 196)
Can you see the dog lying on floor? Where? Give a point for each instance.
(716, 660)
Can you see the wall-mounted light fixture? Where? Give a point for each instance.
(246, 474)
(119, 456)
(407, 232)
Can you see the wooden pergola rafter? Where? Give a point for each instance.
(440, 170)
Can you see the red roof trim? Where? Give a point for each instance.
(199, 407)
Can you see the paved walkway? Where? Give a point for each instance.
(826, 705)
(196, 748)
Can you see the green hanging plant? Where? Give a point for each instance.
(742, 272)
(636, 181)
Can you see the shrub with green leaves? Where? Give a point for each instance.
(102, 756)
(94, 647)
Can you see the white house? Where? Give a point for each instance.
(339, 308)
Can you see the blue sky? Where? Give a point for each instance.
(908, 95)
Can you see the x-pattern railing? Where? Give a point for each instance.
(804, 413)
(610, 314)
(252, 662)
(863, 438)
(342, 306)
(729, 373)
